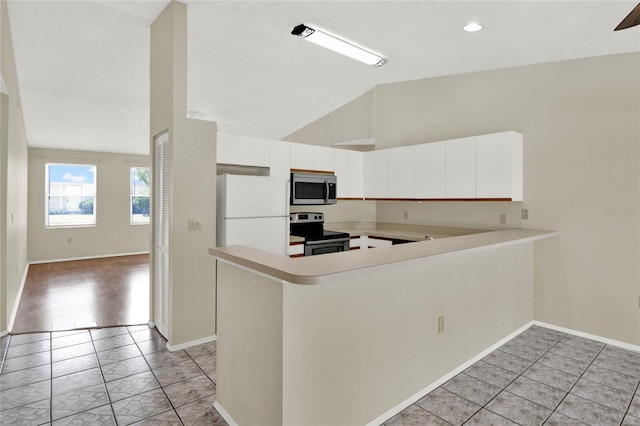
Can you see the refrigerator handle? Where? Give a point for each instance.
(288, 226)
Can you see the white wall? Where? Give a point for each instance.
(579, 119)
(113, 232)
(13, 179)
(353, 121)
(192, 286)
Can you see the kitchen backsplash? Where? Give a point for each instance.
(473, 214)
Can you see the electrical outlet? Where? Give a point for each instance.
(406, 214)
(525, 213)
(194, 224)
(441, 324)
(503, 218)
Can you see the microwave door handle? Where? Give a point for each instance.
(326, 191)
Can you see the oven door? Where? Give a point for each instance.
(311, 248)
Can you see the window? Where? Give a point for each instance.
(140, 195)
(71, 195)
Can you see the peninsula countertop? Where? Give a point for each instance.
(334, 266)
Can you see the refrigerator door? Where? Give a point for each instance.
(269, 234)
(254, 196)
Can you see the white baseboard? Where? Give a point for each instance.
(623, 345)
(227, 418)
(422, 393)
(3, 333)
(16, 303)
(151, 324)
(173, 348)
(98, 256)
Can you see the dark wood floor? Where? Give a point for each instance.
(101, 292)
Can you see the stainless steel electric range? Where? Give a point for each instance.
(317, 240)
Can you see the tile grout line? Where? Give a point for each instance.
(4, 353)
(573, 386)
(626, 413)
(104, 382)
(504, 389)
(156, 377)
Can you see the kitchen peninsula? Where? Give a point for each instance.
(347, 338)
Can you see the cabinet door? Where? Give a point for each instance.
(341, 160)
(461, 168)
(323, 159)
(378, 242)
(499, 166)
(493, 166)
(429, 170)
(280, 163)
(356, 174)
(295, 250)
(242, 150)
(301, 156)
(375, 174)
(400, 179)
(354, 243)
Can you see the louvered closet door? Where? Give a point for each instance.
(161, 225)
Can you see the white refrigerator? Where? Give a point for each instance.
(253, 211)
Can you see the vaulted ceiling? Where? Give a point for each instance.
(83, 66)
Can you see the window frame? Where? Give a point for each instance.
(131, 195)
(48, 196)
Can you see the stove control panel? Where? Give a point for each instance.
(306, 217)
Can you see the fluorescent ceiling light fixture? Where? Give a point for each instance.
(472, 27)
(337, 45)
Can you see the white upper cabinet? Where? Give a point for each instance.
(375, 174)
(429, 170)
(349, 168)
(280, 164)
(400, 172)
(499, 166)
(342, 172)
(302, 156)
(311, 157)
(478, 167)
(356, 174)
(243, 150)
(460, 172)
(323, 159)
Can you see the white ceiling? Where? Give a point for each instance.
(83, 66)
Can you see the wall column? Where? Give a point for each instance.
(192, 152)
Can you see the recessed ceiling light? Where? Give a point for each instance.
(338, 45)
(472, 27)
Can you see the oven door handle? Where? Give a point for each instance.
(332, 241)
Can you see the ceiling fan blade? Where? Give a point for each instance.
(631, 20)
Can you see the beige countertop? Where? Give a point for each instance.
(335, 266)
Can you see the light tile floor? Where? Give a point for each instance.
(125, 375)
(540, 377)
(108, 376)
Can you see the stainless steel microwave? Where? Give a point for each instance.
(313, 189)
